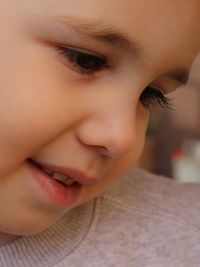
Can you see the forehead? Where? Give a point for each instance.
(160, 27)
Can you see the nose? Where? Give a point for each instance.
(112, 132)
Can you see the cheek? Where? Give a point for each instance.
(141, 127)
(31, 107)
(37, 102)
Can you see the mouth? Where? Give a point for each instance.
(65, 176)
(54, 187)
(62, 178)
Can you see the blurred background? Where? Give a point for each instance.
(172, 145)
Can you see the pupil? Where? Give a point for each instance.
(89, 62)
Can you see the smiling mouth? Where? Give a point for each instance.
(58, 176)
(66, 176)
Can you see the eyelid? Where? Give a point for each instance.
(65, 51)
(81, 50)
(158, 88)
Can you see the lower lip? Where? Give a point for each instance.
(61, 195)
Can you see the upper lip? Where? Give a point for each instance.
(75, 174)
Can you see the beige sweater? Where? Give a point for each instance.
(143, 220)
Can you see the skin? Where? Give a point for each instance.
(54, 114)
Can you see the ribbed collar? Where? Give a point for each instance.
(52, 245)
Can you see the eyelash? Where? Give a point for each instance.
(151, 96)
(93, 62)
(88, 64)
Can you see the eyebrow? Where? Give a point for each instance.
(104, 33)
(179, 75)
(112, 37)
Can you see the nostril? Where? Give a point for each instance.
(102, 150)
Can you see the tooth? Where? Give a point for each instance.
(62, 178)
(47, 170)
(69, 181)
(59, 176)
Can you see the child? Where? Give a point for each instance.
(77, 81)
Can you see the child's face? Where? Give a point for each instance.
(65, 108)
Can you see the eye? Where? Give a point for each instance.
(151, 96)
(83, 62)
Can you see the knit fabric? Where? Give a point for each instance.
(142, 220)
